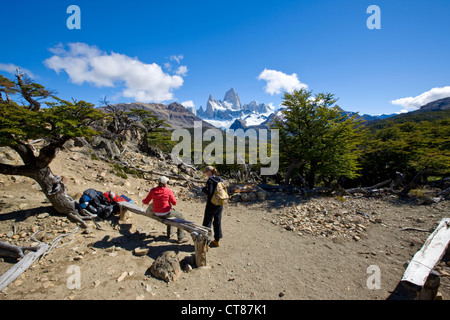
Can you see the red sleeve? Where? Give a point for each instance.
(148, 199)
(172, 199)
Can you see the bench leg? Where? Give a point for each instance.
(201, 245)
(123, 214)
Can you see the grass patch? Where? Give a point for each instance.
(123, 172)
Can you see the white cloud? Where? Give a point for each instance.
(189, 104)
(177, 58)
(277, 82)
(413, 103)
(11, 68)
(182, 71)
(141, 81)
(168, 66)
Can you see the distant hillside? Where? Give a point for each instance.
(442, 104)
(433, 111)
(176, 115)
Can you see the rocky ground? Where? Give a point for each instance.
(285, 247)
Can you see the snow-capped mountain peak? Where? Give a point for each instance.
(223, 113)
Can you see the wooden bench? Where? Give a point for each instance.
(201, 235)
(419, 280)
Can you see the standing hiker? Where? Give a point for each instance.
(163, 200)
(213, 213)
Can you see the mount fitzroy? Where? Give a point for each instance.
(223, 113)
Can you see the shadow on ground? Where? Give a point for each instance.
(22, 215)
(128, 240)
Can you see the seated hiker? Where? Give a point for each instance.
(163, 200)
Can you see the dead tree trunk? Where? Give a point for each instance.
(55, 191)
(292, 167)
(414, 182)
(37, 168)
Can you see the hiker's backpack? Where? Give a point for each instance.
(220, 195)
(96, 203)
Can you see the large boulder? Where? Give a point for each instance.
(108, 147)
(166, 267)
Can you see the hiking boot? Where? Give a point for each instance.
(214, 244)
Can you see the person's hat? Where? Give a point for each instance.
(209, 168)
(163, 180)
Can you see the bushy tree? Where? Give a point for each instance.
(59, 121)
(154, 130)
(317, 138)
(408, 148)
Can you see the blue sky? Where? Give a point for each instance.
(134, 50)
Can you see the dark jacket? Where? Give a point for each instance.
(210, 187)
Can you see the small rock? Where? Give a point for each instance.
(122, 276)
(96, 283)
(42, 215)
(18, 282)
(78, 258)
(281, 294)
(187, 268)
(140, 251)
(87, 231)
(40, 236)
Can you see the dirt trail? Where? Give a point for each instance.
(258, 258)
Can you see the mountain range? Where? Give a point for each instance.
(175, 114)
(230, 113)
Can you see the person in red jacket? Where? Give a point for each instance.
(163, 200)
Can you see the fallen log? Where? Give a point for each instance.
(419, 280)
(368, 190)
(12, 274)
(414, 229)
(12, 251)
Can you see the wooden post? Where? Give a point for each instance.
(201, 245)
